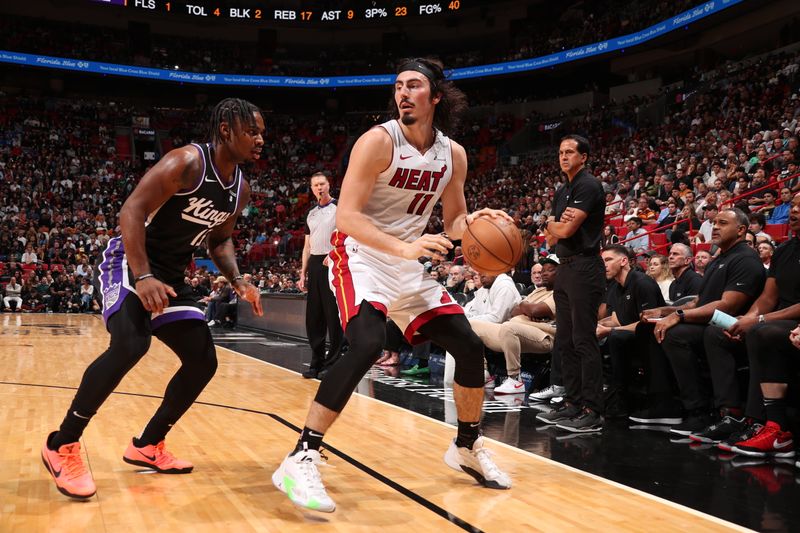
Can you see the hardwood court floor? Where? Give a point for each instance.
(386, 471)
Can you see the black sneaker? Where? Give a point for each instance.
(615, 404)
(692, 424)
(658, 414)
(720, 431)
(747, 432)
(311, 373)
(586, 421)
(564, 412)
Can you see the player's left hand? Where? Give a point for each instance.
(491, 213)
(249, 293)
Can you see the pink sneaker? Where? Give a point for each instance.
(68, 471)
(156, 458)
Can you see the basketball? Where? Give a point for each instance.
(491, 246)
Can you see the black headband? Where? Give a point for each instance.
(422, 69)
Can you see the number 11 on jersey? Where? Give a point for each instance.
(419, 203)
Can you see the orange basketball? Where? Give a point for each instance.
(492, 246)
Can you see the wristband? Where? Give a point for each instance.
(237, 278)
(143, 276)
(679, 312)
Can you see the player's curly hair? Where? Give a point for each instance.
(453, 101)
(231, 110)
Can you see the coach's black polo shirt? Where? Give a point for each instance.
(584, 192)
(688, 284)
(640, 292)
(785, 268)
(739, 269)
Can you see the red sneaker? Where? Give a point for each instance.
(770, 441)
(157, 458)
(68, 471)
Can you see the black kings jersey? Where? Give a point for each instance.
(181, 224)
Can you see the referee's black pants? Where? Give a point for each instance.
(578, 292)
(322, 315)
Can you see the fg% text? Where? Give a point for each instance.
(430, 9)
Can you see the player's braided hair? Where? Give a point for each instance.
(231, 110)
(453, 101)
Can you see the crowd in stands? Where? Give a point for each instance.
(577, 23)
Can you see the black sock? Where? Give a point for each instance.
(312, 440)
(776, 411)
(468, 433)
(71, 429)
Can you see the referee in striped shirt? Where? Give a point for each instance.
(322, 313)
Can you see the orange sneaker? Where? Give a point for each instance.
(68, 471)
(157, 458)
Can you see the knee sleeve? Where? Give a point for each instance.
(454, 334)
(366, 335)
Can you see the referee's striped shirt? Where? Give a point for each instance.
(320, 223)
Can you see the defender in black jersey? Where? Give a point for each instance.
(192, 197)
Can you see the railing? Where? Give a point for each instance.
(731, 202)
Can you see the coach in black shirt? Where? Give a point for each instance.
(731, 282)
(687, 282)
(765, 329)
(630, 293)
(579, 207)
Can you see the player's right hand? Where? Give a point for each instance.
(301, 283)
(428, 245)
(154, 294)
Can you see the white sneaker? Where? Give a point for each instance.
(299, 479)
(211, 323)
(478, 463)
(510, 386)
(546, 394)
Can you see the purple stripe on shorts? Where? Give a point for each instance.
(168, 318)
(111, 276)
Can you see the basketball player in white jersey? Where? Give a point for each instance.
(397, 173)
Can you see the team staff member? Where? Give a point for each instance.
(579, 287)
(770, 329)
(631, 292)
(322, 315)
(687, 282)
(733, 281)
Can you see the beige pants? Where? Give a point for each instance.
(515, 337)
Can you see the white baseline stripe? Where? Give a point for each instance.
(638, 492)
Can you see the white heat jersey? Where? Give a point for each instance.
(406, 192)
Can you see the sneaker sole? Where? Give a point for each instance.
(477, 476)
(753, 453)
(664, 421)
(510, 392)
(684, 432)
(61, 489)
(590, 429)
(157, 469)
(277, 481)
(704, 440)
(552, 421)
